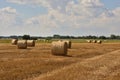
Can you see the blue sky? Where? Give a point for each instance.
(64, 17)
(111, 4)
(26, 11)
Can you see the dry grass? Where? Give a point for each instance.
(18, 64)
(104, 67)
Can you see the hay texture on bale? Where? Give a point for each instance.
(31, 43)
(99, 41)
(89, 41)
(69, 43)
(94, 41)
(14, 41)
(59, 48)
(22, 44)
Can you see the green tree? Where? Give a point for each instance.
(102, 37)
(112, 36)
(26, 37)
(56, 36)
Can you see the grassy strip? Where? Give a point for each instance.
(73, 40)
(5, 41)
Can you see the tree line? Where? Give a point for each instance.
(112, 36)
(56, 36)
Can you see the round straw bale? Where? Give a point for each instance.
(22, 44)
(30, 43)
(94, 41)
(14, 41)
(59, 48)
(89, 41)
(69, 43)
(99, 41)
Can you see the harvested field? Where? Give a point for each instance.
(104, 67)
(84, 61)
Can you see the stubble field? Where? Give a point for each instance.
(85, 61)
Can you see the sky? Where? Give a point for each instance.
(63, 17)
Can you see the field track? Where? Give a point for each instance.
(84, 61)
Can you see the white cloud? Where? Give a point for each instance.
(8, 16)
(68, 16)
(31, 2)
(9, 21)
(17, 1)
(8, 10)
(91, 3)
(117, 11)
